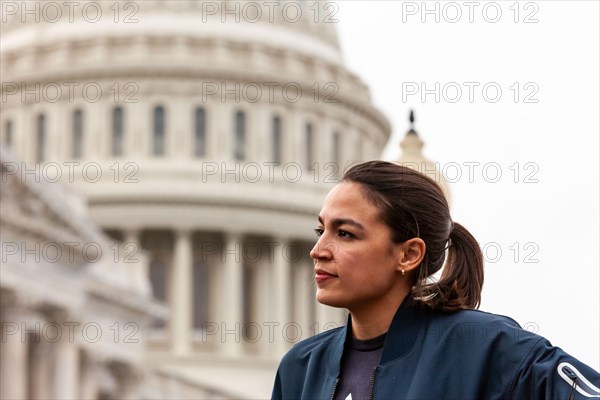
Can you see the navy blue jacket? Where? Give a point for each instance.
(431, 355)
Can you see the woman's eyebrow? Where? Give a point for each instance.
(343, 221)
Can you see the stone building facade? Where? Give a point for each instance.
(74, 310)
(203, 137)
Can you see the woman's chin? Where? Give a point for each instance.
(327, 299)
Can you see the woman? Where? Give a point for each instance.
(383, 233)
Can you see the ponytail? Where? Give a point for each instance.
(461, 281)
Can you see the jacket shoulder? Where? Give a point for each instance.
(296, 363)
(477, 316)
(486, 324)
(318, 342)
(482, 332)
(531, 366)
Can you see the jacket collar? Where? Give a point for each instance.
(401, 336)
(404, 329)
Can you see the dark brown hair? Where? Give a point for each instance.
(413, 205)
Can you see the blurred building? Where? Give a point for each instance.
(74, 310)
(412, 157)
(203, 137)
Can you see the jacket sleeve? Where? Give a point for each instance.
(548, 373)
(277, 393)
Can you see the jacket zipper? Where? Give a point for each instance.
(335, 388)
(573, 377)
(372, 386)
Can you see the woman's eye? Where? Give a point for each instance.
(345, 234)
(319, 232)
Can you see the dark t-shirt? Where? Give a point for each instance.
(359, 359)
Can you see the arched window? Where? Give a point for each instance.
(248, 296)
(158, 274)
(336, 154)
(159, 131)
(200, 132)
(308, 143)
(335, 149)
(201, 295)
(159, 246)
(8, 133)
(117, 131)
(77, 134)
(40, 138)
(276, 139)
(240, 136)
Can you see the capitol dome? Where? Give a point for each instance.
(206, 135)
(412, 157)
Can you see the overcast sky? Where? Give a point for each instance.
(536, 124)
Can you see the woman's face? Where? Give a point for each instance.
(356, 264)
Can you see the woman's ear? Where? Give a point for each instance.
(410, 254)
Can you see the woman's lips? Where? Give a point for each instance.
(323, 276)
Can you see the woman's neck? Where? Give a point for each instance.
(374, 320)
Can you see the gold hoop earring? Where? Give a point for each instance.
(402, 271)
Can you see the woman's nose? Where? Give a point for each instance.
(322, 250)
